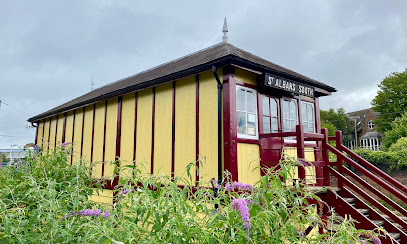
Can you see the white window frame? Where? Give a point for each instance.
(305, 103)
(246, 136)
(370, 124)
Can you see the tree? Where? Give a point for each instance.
(391, 99)
(397, 131)
(338, 119)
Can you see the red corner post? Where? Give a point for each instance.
(325, 157)
(339, 145)
(300, 150)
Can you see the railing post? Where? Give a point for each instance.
(339, 143)
(325, 157)
(300, 151)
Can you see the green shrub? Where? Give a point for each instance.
(46, 201)
(375, 157)
(398, 150)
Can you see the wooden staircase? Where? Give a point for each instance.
(353, 196)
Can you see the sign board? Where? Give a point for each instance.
(288, 85)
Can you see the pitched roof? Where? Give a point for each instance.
(219, 55)
(362, 113)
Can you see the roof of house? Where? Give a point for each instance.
(361, 113)
(219, 55)
(371, 134)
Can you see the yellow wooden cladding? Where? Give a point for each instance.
(144, 130)
(40, 131)
(77, 135)
(310, 173)
(208, 126)
(60, 129)
(102, 196)
(87, 134)
(185, 123)
(163, 130)
(69, 127)
(127, 133)
(248, 162)
(52, 133)
(110, 140)
(246, 76)
(46, 134)
(98, 139)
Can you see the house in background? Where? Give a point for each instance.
(367, 136)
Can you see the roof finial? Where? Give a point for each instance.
(225, 31)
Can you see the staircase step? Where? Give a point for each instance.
(363, 211)
(395, 236)
(378, 222)
(351, 201)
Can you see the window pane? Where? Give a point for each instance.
(241, 122)
(241, 100)
(305, 126)
(286, 109)
(273, 107)
(304, 113)
(251, 124)
(293, 124)
(274, 125)
(311, 127)
(266, 107)
(251, 102)
(310, 112)
(293, 110)
(266, 124)
(286, 125)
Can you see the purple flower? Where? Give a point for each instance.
(240, 204)
(376, 240)
(66, 144)
(300, 234)
(363, 242)
(237, 185)
(88, 212)
(105, 214)
(124, 192)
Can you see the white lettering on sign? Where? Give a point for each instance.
(288, 85)
(305, 91)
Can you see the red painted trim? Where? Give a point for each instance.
(300, 150)
(83, 129)
(152, 133)
(104, 141)
(250, 141)
(36, 134)
(197, 128)
(49, 132)
(73, 134)
(135, 127)
(56, 131)
(246, 85)
(63, 128)
(173, 132)
(93, 136)
(118, 138)
(229, 123)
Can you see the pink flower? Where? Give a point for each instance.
(240, 204)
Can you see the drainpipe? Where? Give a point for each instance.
(220, 173)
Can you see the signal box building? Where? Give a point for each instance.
(167, 117)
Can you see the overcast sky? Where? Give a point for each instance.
(50, 50)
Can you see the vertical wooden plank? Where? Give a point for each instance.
(208, 126)
(111, 135)
(87, 134)
(77, 140)
(69, 125)
(163, 130)
(98, 139)
(185, 127)
(36, 134)
(173, 132)
(127, 138)
(197, 159)
(52, 133)
(59, 130)
(64, 128)
(40, 134)
(144, 130)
